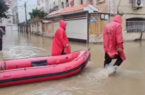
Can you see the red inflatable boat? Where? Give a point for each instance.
(22, 71)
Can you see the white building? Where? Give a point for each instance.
(41, 4)
(30, 5)
(13, 6)
(18, 9)
(54, 4)
(7, 21)
(47, 5)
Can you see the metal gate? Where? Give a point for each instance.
(135, 26)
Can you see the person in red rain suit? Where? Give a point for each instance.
(113, 43)
(60, 42)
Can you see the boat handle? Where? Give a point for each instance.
(7, 76)
(67, 67)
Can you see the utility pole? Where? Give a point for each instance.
(26, 23)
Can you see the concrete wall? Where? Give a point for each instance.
(126, 7)
(34, 28)
(13, 28)
(130, 36)
(48, 29)
(40, 28)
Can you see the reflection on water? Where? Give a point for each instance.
(94, 80)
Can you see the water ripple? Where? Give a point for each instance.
(16, 52)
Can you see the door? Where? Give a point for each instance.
(94, 27)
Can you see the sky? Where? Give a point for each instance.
(31, 4)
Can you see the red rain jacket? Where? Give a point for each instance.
(113, 38)
(60, 40)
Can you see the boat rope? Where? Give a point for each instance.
(96, 41)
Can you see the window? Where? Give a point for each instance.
(9, 21)
(90, 1)
(0, 20)
(100, 1)
(42, 8)
(130, 1)
(67, 3)
(81, 2)
(135, 25)
(50, 6)
(62, 5)
(72, 3)
(53, 4)
(38, 2)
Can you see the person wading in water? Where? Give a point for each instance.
(61, 44)
(2, 32)
(113, 43)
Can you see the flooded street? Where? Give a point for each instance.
(130, 79)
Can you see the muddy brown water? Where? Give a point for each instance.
(130, 79)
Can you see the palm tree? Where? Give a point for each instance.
(37, 13)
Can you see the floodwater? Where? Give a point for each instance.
(129, 80)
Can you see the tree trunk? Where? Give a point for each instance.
(37, 28)
(141, 34)
(140, 38)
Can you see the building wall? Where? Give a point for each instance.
(50, 3)
(34, 27)
(126, 8)
(40, 28)
(7, 21)
(41, 4)
(53, 3)
(131, 36)
(14, 7)
(107, 6)
(46, 6)
(76, 2)
(48, 29)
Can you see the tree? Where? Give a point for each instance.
(3, 9)
(37, 13)
(42, 14)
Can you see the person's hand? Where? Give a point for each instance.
(66, 45)
(119, 49)
(64, 50)
(68, 50)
